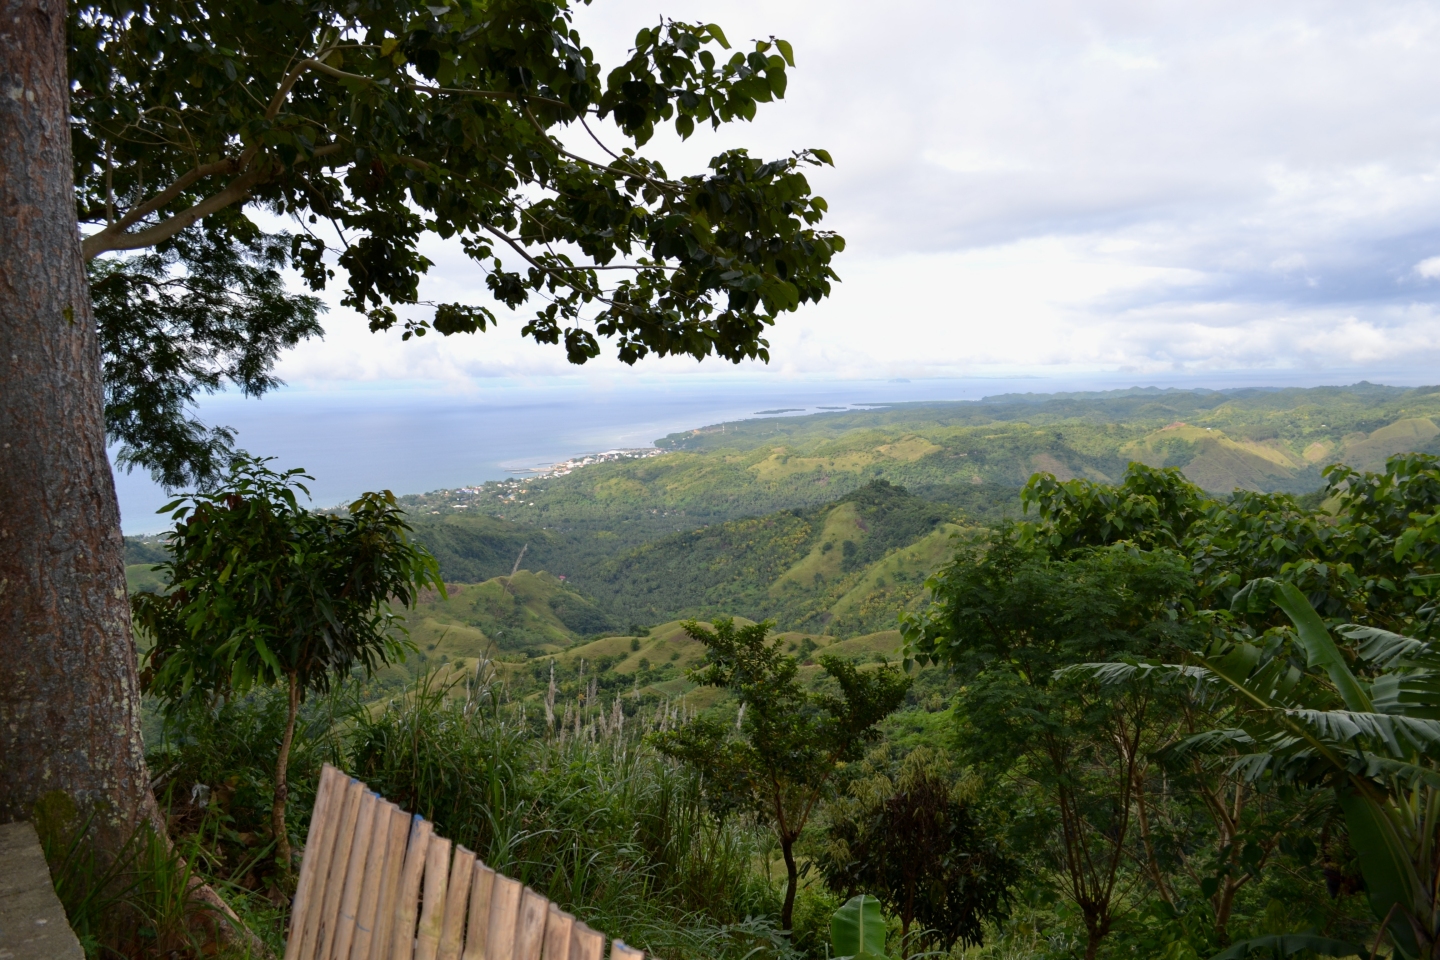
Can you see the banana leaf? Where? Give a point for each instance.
(857, 930)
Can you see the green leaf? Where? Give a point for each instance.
(1290, 944)
(1320, 648)
(1405, 542)
(857, 929)
(719, 35)
(1390, 876)
(777, 82)
(786, 51)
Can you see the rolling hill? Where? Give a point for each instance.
(829, 523)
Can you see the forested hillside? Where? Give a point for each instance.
(753, 518)
(735, 517)
(1040, 706)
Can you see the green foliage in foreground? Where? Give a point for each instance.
(1374, 739)
(1266, 751)
(952, 875)
(857, 929)
(789, 741)
(261, 591)
(603, 824)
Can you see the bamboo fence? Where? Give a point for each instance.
(377, 884)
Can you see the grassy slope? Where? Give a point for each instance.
(657, 663)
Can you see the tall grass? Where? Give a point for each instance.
(600, 823)
(138, 902)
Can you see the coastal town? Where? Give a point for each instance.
(512, 492)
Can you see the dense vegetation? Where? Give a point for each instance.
(1076, 755)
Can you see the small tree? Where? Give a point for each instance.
(1004, 618)
(783, 757)
(263, 591)
(911, 836)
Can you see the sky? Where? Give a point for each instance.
(1154, 190)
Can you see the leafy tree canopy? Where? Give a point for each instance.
(204, 310)
(389, 121)
(789, 740)
(264, 592)
(909, 833)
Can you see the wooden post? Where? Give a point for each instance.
(452, 930)
(504, 914)
(437, 877)
(558, 927)
(407, 900)
(325, 903)
(354, 877)
(586, 944)
(482, 889)
(331, 781)
(381, 943)
(530, 931)
(365, 913)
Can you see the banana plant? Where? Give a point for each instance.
(857, 930)
(1375, 742)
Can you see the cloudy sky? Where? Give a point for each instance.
(1154, 189)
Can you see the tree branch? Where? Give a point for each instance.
(110, 239)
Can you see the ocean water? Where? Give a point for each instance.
(413, 439)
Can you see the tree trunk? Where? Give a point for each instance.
(69, 704)
(907, 916)
(1095, 930)
(792, 881)
(282, 783)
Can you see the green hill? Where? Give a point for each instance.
(977, 451)
(829, 523)
(755, 518)
(848, 566)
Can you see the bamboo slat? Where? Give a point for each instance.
(482, 889)
(407, 899)
(327, 903)
(354, 877)
(381, 942)
(586, 944)
(504, 914)
(530, 929)
(557, 934)
(331, 781)
(452, 930)
(437, 878)
(620, 951)
(365, 914)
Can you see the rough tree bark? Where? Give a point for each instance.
(69, 704)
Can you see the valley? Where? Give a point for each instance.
(827, 524)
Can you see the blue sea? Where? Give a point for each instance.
(413, 438)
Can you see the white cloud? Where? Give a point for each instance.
(1040, 184)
